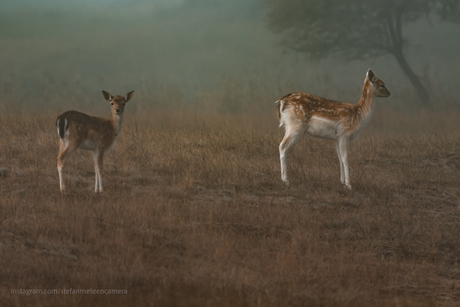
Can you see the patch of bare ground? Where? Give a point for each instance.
(194, 214)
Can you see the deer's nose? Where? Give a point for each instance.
(117, 110)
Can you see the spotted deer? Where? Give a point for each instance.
(80, 131)
(327, 119)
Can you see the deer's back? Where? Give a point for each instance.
(89, 132)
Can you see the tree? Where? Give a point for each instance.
(355, 29)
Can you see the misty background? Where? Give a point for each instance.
(201, 54)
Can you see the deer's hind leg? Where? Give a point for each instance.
(290, 137)
(65, 150)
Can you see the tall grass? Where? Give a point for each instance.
(194, 213)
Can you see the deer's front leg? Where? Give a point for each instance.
(343, 156)
(98, 160)
(342, 174)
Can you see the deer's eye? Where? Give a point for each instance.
(111, 103)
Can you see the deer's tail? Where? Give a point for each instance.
(280, 104)
(62, 126)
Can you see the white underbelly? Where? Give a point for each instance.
(323, 128)
(88, 145)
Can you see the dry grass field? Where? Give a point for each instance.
(194, 214)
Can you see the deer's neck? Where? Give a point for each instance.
(115, 121)
(365, 105)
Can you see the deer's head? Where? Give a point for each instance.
(117, 102)
(378, 85)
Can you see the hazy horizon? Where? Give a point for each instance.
(190, 45)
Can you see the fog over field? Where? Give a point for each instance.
(194, 211)
(53, 51)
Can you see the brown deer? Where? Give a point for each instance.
(327, 119)
(80, 131)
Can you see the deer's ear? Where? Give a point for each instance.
(128, 96)
(107, 96)
(371, 76)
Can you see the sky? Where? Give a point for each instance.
(52, 48)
